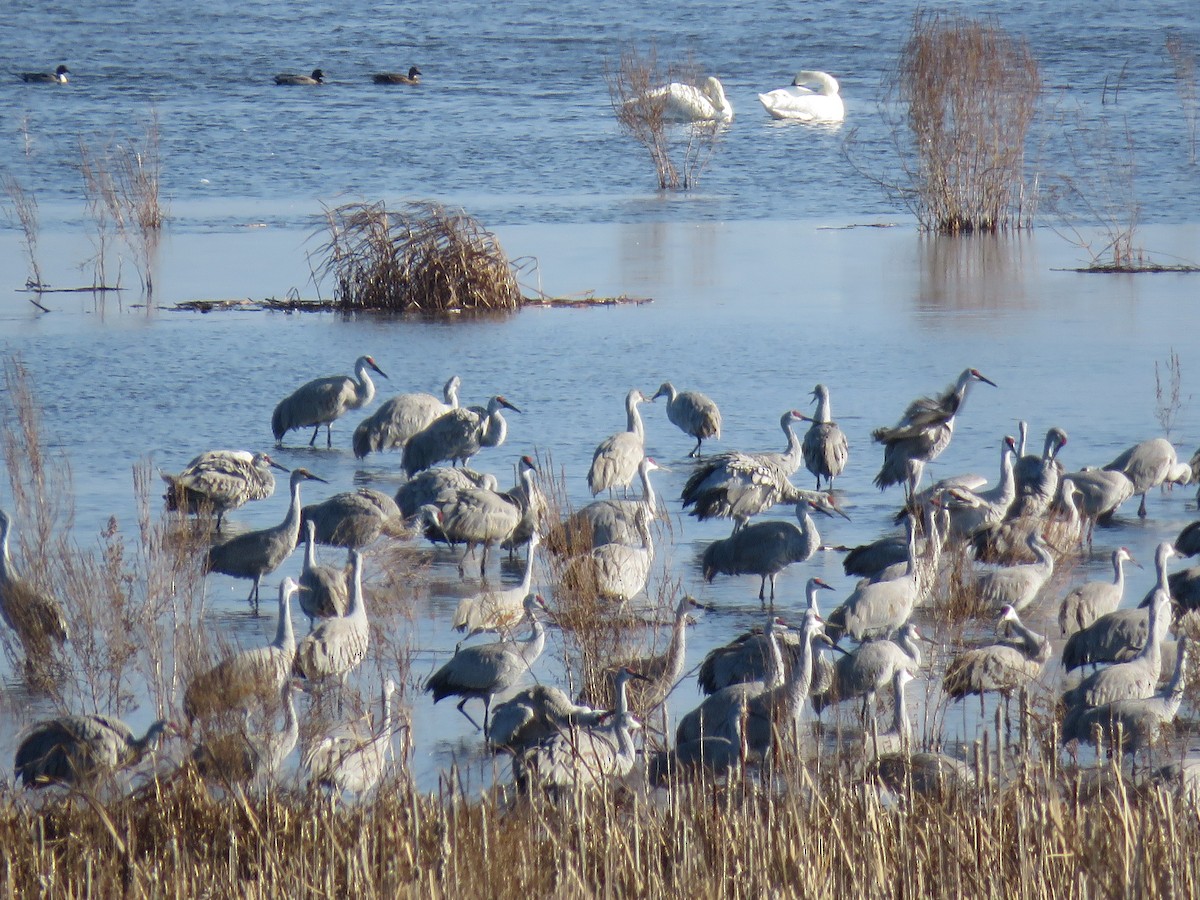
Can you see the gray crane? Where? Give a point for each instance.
(692, 413)
(324, 591)
(661, 672)
(825, 447)
(345, 759)
(1038, 477)
(719, 712)
(255, 675)
(876, 609)
(352, 519)
(869, 669)
(1016, 586)
(1001, 668)
(529, 496)
(240, 756)
(1137, 678)
(254, 554)
(221, 480)
(324, 400)
(615, 460)
(1188, 542)
(35, 616)
(736, 485)
(535, 715)
(457, 435)
(480, 517)
(485, 670)
(1137, 724)
(1099, 493)
(613, 571)
(430, 485)
(81, 749)
(1148, 465)
(398, 419)
(1114, 637)
(607, 521)
(585, 757)
(749, 657)
(767, 548)
(337, 646)
(497, 611)
(922, 433)
(713, 756)
(1087, 602)
(973, 510)
(873, 560)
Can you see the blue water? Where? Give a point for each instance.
(514, 120)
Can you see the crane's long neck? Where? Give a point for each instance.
(5, 564)
(285, 638)
(773, 676)
(800, 678)
(139, 746)
(531, 647)
(634, 418)
(291, 522)
(911, 568)
(1174, 691)
(310, 550)
(647, 538)
(358, 602)
(1008, 481)
(1022, 434)
(365, 389)
(494, 428)
(900, 723)
(649, 500)
(450, 393)
(1033, 645)
(527, 581)
(1044, 558)
(911, 649)
(677, 648)
(824, 415)
(1160, 618)
(1118, 572)
(791, 454)
(812, 539)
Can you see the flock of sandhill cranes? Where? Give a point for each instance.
(758, 687)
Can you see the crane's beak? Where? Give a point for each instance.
(275, 465)
(371, 362)
(507, 405)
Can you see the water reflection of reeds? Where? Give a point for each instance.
(972, 272)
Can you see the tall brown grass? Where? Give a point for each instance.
(23, 209)
(420, 258)
(1183, 64)
(971, 93)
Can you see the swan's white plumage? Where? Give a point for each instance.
(798, 101)
(689, 103)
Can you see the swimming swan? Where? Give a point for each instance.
(799, 102)
(317, 77)
(687, 103)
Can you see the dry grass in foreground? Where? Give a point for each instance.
(1039, 836)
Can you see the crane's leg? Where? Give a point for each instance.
(695, 454)
(774, 575)
(483, 561)
(467, 714)
(1142, 508)
(253, 598)
(312, 441)
(487, 716)
(762, 588)
(329, 435)
(220, 516)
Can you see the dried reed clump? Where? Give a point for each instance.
(423, 258)
(641, 111)
(971, 91)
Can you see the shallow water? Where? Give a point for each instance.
(879, 315)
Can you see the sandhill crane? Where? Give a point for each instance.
(607, 521)
(397, 420)
(337, 646)
(1137, 723)
(711, 755)
(1137, 678)
(324, 400)
(873, 560)
(1188, 542)
(1099, 493)
(876, 609)
(430, 485)
(719, 712)
(484, 670)
(661, 672)
(1149, 464)
(1085, 603)
(323, 589)
(767, 548)
(457, 435)
(692, 413)
(479, 517)
(528, 496)
(221, 480)
(870, 669)
(615, 461)
(352, 519)
(1016, 586)
(36, 617)
(899, 769)
(922, 433)
(1185, 588)
(80, 749)
(535, 715)
(239, 756)
(254, 554)
(1113, 637)
(258, 674)
(971, 511)
(584, 757)
(497, 610)
(613, 571)
(736, 485)
(1038, 477)
(825, 447)
(1001, 668)
(347, 760)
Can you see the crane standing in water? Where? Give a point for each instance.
(221, 480)
(692, 413)
(825, 446)
(324, 400)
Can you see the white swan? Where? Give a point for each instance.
(688, 103)
(800, 102)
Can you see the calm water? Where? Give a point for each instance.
(753, 301)
(514, 122)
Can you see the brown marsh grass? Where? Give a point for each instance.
(971, 93)
(421, 258)
(23, 209)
